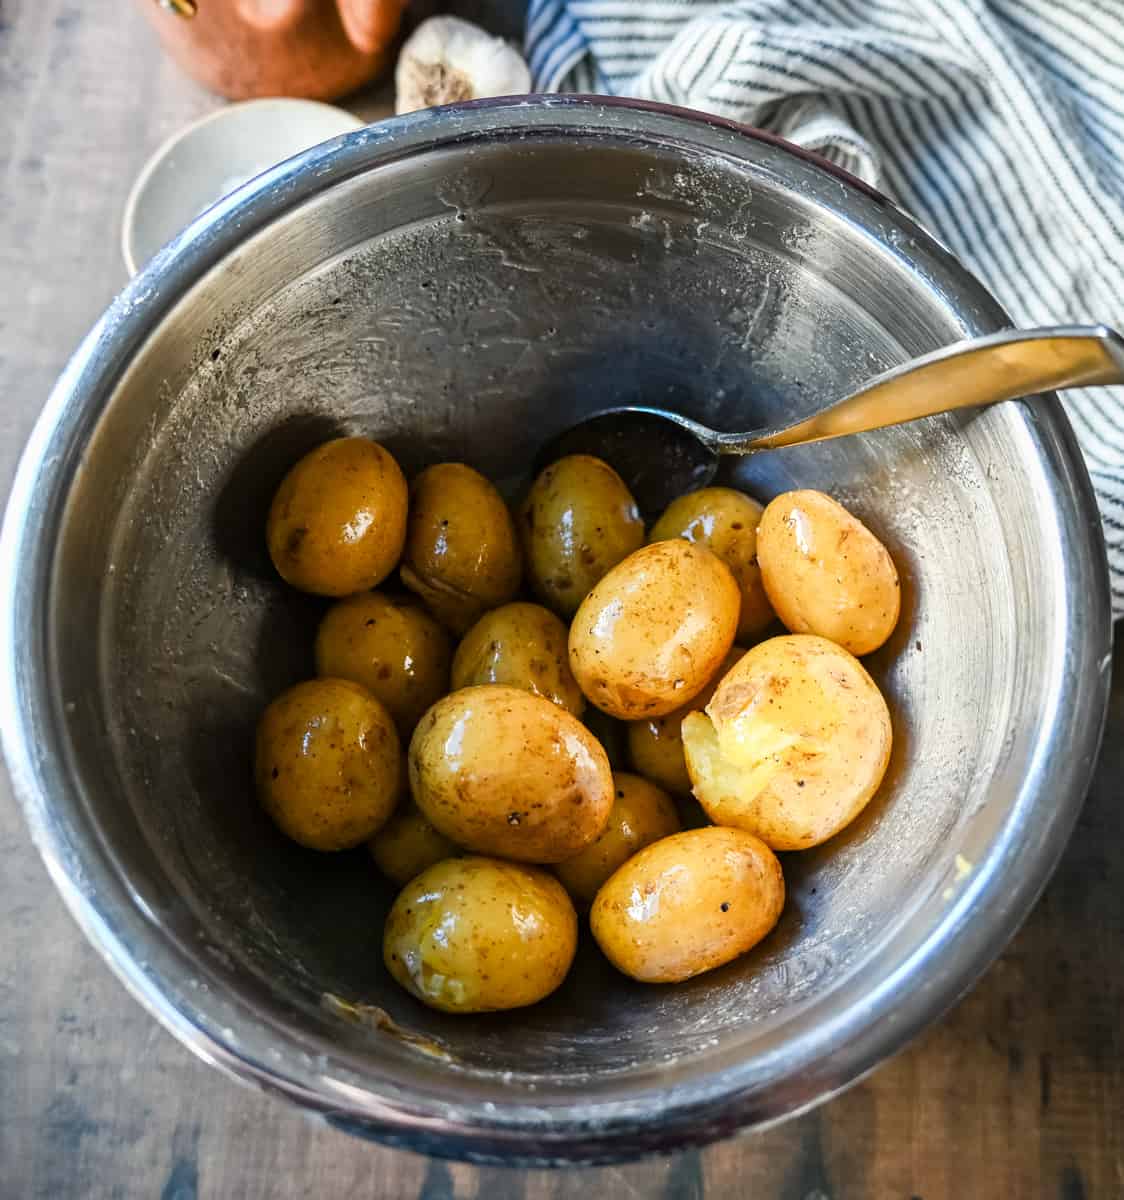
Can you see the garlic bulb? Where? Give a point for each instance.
(446, 60)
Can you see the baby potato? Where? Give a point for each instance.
(523, 645)
(641, 814)
(793, 743)
(654, 630)
(656, 745)
(328, 764)
(391, 646)
(687, 904)
(611, 733)
(578, 521)
(477, 935)
(501, 771)
(407, 844)
(462, 553)
(826, 573)
(338, 520)
(725, 521)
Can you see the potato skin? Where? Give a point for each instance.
(407, 844)
(501, 771)
(578, 521)
(655, 746)
(724, 520)
(523, 645)
(654, 630)
(641, 814)
(338, 521)
(462, 554)
(328, 764)
(390, 646)
(825, 573)
(794, 743)
(687, 904)
(478, 935)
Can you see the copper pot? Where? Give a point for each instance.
(320, 49)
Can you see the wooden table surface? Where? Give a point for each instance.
(1018, 1092)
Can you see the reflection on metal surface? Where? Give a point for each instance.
(182, 8)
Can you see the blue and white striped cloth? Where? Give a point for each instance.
(998, 123)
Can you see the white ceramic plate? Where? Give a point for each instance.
(208, 159)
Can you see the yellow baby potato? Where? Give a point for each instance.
(391, 646)
(578, 521)
(501, 771)
(338, 520)
(656, 745)
(328, 764)
(462, 554)
(687, 904)
(654, 630)
(642, 813)
(826, 573)
(407, 844)
(725, 521)
(477, 935)
(793, 743)
(523, 645)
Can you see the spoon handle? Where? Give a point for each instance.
(969, 374)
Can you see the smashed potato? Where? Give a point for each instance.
(793, 743)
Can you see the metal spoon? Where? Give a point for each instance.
(661, 454)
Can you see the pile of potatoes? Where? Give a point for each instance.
(445, 726)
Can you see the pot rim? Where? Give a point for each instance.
(224, 1030)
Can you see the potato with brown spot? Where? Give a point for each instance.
(462, 553)
(654, 630)
(501, 771)
(523, 645)
(328, 764)
(392, 647)
(338, 521)
(476, 935)
(825, 573)
(724, 520)
(793, 744)
(655, 746)
(642, 813)
(579, 520)
(687, 904)
(407, 844)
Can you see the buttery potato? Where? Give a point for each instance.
(611, 733)
(523, 645)
(407, 844)
(654, 630)
(687, 904)
(655, 746)
(462, 554)
(477, 935)
(641, 814)
(725, 521)
(338, 520)
(501, 771)
(826, 573)
(793, 743)
(328, 764)
(391, 646)
(578, 521)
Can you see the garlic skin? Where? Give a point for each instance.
(447, 60)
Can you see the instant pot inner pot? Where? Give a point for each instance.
(466, 304)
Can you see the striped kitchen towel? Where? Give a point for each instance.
(998, 123)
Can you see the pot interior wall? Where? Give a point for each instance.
(466, 306)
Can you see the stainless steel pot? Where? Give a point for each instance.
(463, 284)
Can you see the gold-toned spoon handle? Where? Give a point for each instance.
(971, 374)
